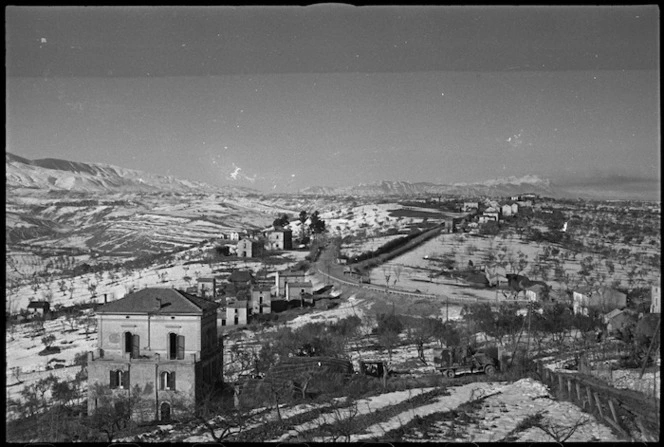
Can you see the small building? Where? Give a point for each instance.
(604, 299)
(236, 313)
(41, 308)
(515, 208)
(234, 236)
(506, 210)
(278, 239)
(656, 298)
(261, 299)
(286, 276)
(295, 290)
(537, 293)
(248, 248)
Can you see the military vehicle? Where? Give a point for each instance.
(464, 360)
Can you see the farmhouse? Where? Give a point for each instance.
(236, 312)
(160, 343)
(248, 248)
(40, 308)
(604, 299)
(278, 239)
(506, 210)
(261, 300)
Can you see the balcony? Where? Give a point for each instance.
(146, 356)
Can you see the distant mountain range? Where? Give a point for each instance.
(56, 174)
(491, 188)
(63, 175)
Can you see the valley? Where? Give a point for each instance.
(79, 249)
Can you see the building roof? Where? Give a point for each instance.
(38, 305)
(156, 300)
(240, 276)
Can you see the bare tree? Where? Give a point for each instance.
(560, 432)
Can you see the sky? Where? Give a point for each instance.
(281, 98)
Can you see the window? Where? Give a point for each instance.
(119, 379)
(167, 381)
(175, 346)
(131, 344)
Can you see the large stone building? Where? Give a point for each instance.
(158, 346)
(248, 248)
(278, 239)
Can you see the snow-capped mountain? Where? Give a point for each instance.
(56, 174)
(493, 188)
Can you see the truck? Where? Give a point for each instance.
(458, 360)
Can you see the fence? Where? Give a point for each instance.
(627, 411)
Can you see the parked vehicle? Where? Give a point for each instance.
(464, 360)
(376, 368)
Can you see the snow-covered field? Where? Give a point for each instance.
(415, 266)
(492, 410)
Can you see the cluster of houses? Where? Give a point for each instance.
(492, 210)
(251, 244)
(241, 294)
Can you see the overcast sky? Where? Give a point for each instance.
(280, 98)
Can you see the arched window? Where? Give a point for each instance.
(167, 380)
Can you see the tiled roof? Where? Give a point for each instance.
(240, 276)
(38, 305)
(155, 300)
